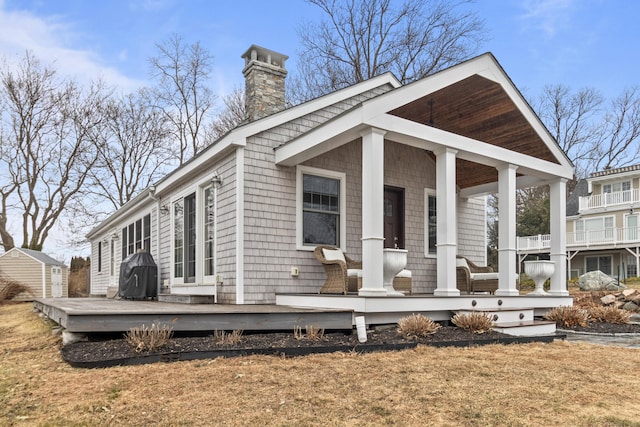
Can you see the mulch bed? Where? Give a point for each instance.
(114, 352)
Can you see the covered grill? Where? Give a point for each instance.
(138, 277)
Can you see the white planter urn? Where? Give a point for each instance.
(539, 271)
(393, 262)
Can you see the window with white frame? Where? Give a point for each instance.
(136, 236)
(209, 231)
(321, 217)
(594, 230)
(430, 223)
(193, 218)
(631, 266)
(617, 192)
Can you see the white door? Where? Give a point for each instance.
(56, 282)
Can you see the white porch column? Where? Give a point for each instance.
(446, 241)
(372, 212)
(507, 230)
(558, 225)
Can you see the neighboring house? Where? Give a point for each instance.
(602, 225)
(45, 276)
(373, 165)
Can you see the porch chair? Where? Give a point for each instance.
(472, 278)
(345, 275)
(342, 271)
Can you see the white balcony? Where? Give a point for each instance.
(627, 197)
(605, 238)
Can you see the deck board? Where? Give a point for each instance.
(98, 315)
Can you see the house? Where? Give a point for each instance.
(370, 166)
(45, 276)
(602, 225)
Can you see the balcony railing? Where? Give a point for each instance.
(626, 197)
(607, 236)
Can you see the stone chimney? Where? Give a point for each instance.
(264, 75)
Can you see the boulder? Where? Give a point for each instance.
(608, 299)
(630, 306)
(597, 281)
(628, 292)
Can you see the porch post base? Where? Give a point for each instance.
(446, 293)
(372, 292)
(558, 293)
(507, 292)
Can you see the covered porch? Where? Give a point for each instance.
(483, 138)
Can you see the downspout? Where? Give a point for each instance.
(152, 196)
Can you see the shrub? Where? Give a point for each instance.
(9, 289)
(568, 316)
(147, 339)
(227, 338)
(416, 325)
(609, 314)
(312, 333)
(475, 322)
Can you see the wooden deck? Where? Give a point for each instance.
(98, 315)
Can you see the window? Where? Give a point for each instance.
(594, 230)
(112, 257)
(184, 239)
(209, 231)
(137, 235)
(617, 192)
(430, 223)
(632, 267)
(321, 208)
(99, 256)
(602, 263)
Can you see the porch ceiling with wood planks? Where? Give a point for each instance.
(477, 108)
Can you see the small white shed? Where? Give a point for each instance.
(47, 277)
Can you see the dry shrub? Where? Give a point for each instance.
(568, 316)
(475, 322)
(609, 314)
(589, 299)
(417, 325)
(227, 338)
(147, 339)
(312, 333)
(9, 289)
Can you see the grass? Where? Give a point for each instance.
(554, 384)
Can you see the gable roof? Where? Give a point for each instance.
(36, 255)
(473, 106)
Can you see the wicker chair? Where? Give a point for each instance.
(473, 278)
(339, 281)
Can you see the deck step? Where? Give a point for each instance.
(186, 298)
(526, 328)
(504, 315)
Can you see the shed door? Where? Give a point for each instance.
(56, 282)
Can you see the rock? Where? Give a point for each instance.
(630, 306)
(597, 280)
(71, 337)
(628, 292)
(608, 299)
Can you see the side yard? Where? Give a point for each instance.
(533, 384)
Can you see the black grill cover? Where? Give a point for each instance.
(138, 277)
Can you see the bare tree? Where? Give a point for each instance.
(359, 40)
(47, 150)
(619, 142)
(133, 150)
(181, 92)
(231, 115)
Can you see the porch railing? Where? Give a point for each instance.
(607, 236)
(626, 197)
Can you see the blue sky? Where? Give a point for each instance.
(574, 42)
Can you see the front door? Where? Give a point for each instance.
(393, 217)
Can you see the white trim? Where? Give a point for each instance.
(342, 177)
(240, 225)
(44, 280)
(200, 248)
(428, 192)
